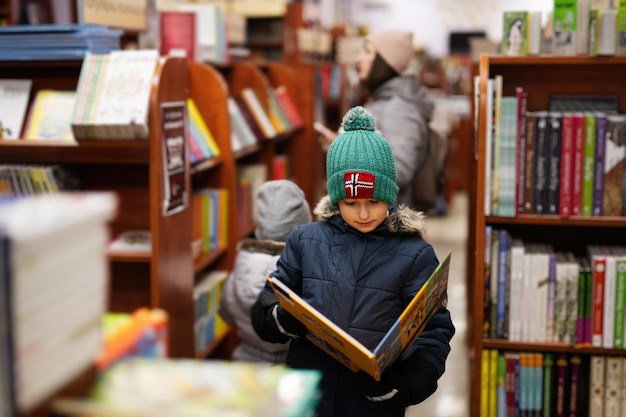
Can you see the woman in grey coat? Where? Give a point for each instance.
(398, 103)
(281, 206)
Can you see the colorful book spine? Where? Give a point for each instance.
(503, 282)
(487, 281)
(577, 162)
(598, 174)
(554, 179)
(610, 282)
(575, 363)
(289, 106)
(522, 102)
(567, 156)
(542, 152)
(548, 384)
(561, 385)
(615, 143)
(484, 380)
(598, 264)
(588, 165)
(529, 170)
(620, 300)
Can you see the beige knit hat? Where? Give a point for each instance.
(395, 47)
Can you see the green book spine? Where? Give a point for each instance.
(588, 164)
(620, 300)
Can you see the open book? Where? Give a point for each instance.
(346, 349)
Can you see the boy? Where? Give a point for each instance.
(360, 266)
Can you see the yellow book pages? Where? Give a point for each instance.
(203, 130)
(484, 379)
(50, 116)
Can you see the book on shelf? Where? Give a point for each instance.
(255, 175)
(50, 116)
(350, 352)
(63, 237)
(570, 27)
(178, 33)
(615, 145)
(257, 110)
(209, 325)
(602, 32)
(14, 95)
(241, 134)
(620, 47)
(196, 387)
(200, 137)
(249, 119)
(521, 33)
(113, 95)
(210, 31)
(288, 105)
(132, 241)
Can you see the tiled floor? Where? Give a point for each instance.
(446, 233)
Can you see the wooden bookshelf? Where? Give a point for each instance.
(134, 171)
(541, 77)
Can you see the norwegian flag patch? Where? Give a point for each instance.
(359, 184)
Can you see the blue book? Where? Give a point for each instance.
(503, 282)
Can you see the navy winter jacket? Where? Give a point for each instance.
(362, 282)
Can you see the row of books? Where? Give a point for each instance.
(25, 180)
(209, 207)
(52, 265)
(552, 384)
(565, 163)
(536, 294)
(209, 325)
(252, 124)
(580, 27)
(56, 41)
(202, 144)
(186, 387)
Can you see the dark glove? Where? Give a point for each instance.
(288, 324)
(376, 391)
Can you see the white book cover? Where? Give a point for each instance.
(489, 109)
(516, 293)
(132, 241)
(560, 298)
(573, 278)
(14, 96)
(259, 113)
(610, 280)
(596, 386)
(241, 134)
(528, 302)
(612, 387)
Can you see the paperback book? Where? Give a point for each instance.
(350, 352)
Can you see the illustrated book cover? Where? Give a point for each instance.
(350, 352)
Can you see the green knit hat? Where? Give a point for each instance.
(359, 163)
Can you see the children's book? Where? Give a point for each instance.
(346, 349)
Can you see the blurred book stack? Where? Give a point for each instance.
(56, 42)
(183, 387)
(53, 272)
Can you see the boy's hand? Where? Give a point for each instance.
(288, 324)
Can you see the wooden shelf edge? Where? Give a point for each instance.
(550, 220)
(129, 256)
(206, 165)
(550, 347)
(555, 59)
(81, 151)
(247, 150)
(207, 258)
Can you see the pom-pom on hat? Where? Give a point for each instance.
(359, 163)
(395, 47)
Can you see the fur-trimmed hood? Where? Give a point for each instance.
(402, 220)
(269, 247)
